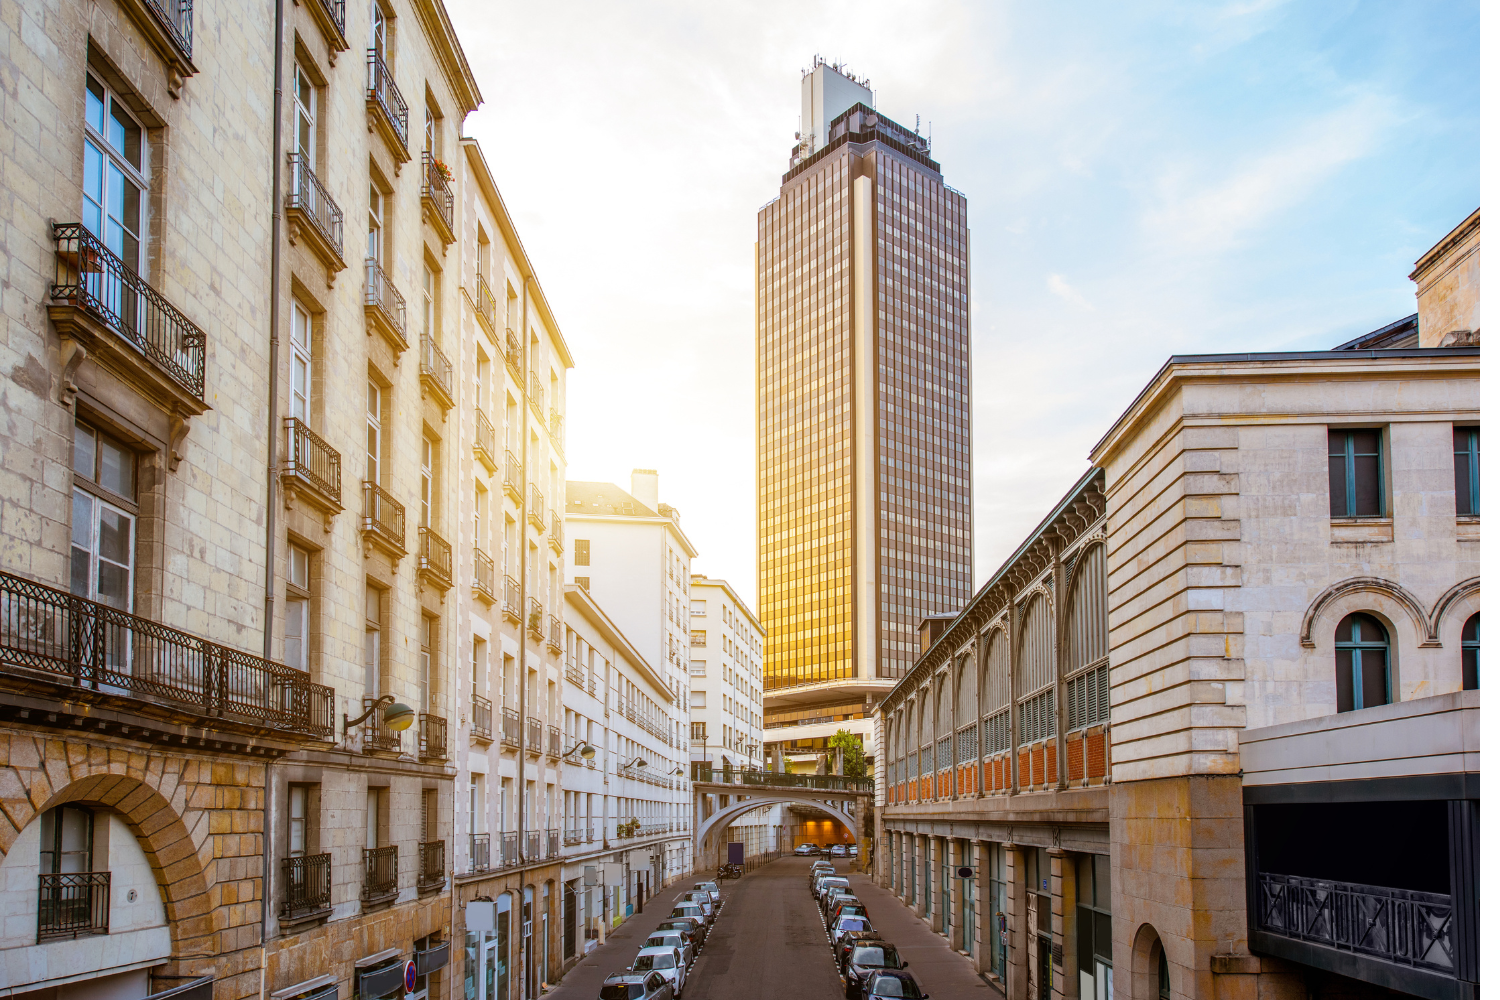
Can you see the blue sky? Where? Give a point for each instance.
(1143, 179)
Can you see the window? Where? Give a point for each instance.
(699, 607)
(298, 595)
(372, 641)
(1355, 474)
(103, 549)
(67, 840)
(375, 225)
(375, 818)
(700, 730)
(1362, 663)
(429, 302)
(301, 363)
(1466, 469)
(379, 31)
(700, 699)
(580, 552)
(424, 514)
(1471, 653)
(114, 174)
(372, 433)
(431, 638)
(698, 668)
(299, 816)
(305, 96)
(1095, 946)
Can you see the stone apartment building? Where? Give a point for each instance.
(727, 644)
(1274, 563)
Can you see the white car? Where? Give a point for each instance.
(712, 888)
(668, 962)
(688, 908)
(671, 939)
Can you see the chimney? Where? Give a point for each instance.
(643, 486)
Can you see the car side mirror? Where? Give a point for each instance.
(905, 964)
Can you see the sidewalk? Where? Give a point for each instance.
(617, 951)
(941, 971)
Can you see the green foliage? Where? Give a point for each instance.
(854, 752)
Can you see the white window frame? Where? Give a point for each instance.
(100, 155)
(301, 371)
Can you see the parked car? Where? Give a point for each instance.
(836, 851)
(696, 930)
(688, 908)
(819, 868)
(671, 939)
(712, 888)
(803, 850)
(853, 908)
(851, 850)
(705, 900)
(843, 925)
(849, 941)
(636, 986)
(891, 983)
(865, 957)
(823, 882)
(670, 963)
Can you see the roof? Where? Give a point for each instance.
(585, 603)
(1444, 246)
(604, 500)
(1402, 333)
(699, 580)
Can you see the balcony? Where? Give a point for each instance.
(306, 888)
(573, 837)
(437, 374)
(376, 736)
(312, 470)
(534, 618)
(385, 308)
(383, 522)
(554, 634)
(484, 441)
(512, 481)
(484, 577)
(533, 736)
(512, 607)
(554, 843)
(513, 356)
(484, 304)
(698, 637)
(49, 635)
(432, 737)
(72, 904)
(313, 216)
(555, 533)
(385, 107)
(536, 507)
(481, 724)
(574, 674)
(510, 728)
(555, 428)
(329, 17)
(379, 885)
(104, 309)
(534, 395)
(479, 852)
(508, 850)
(434, 559)
(554, 742)
(533, 845)
(432, 865)
(437, 196)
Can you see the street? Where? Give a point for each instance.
(768, 943)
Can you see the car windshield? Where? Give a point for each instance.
(872, 956)
(854, 924)
(707, 886)
(891, 986)
(621, 991)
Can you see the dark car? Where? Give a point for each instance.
(848, 942)
(865, 957)
(803, 850)
(845, 909)
(696, 930)
(891, 983)
(846, 925)
(636, 986)
(830, 903)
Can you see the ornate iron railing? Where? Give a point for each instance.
(512, 598)
(512, 480)
(381, 295)
(510, 850)
(1395, 925)
(479, 852)
(484, 574)
(436, 367)
(555, 535)
(432, 737)
(176, 16)
(554, 741)
(306, 885)
(335, 11)
(554, 843)
(381, 864)
(436, 189)
(431, 863)
(533, 844)
(376, 735)
(533, 734)
(554, 633)
(91, 278)
(71, 904)
(311, 198)
(829, 782)
(484, 437)
(313, 461)
(481, 722)
(49, 632)
(513, 355)
(384, 516)
(435, 556)
(510, 727)
(484, 301)
(535, 394)
(381, 88)
(536, 506)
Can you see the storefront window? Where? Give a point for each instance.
(1096, 974)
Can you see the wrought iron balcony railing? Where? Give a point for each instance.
(306, 885)
(381, 864)
(574, 673)
(573, 836)
(534, 394)
(437, 195)
(536, 506)
(385, 305)
(554, 843)
(1400, 926)
(484, 302)
(49, 634)
(93, 280)
(481, 722)
(71, 904)
(432, 865)
(509, 850)
(434, 558)
(513, 356)
(479, 852)
(512, 607)
(512, 479)
(384, 519)
(334, 11)
(554, 634)
(312, 463)
(316, 210)
(381, 90)
(533, 734)
(533, 845)
(534, 617)
(555, 533)
(432, 737)
(436, 372)
(484, 576)
(176, 16)
(510, 727)
(376, 735)
(554, 741)
(484, 440)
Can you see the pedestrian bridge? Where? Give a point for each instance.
(720, 797)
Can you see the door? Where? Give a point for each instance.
(570, 922)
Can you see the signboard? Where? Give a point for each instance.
(590, 875)
(479, 916)
(614, 873)
(736, 854)
(639, 859)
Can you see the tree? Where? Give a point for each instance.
(854, 752)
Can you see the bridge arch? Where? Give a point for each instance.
(725, 817)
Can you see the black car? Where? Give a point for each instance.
(696, 930)
(891, 983)
(861, 959)
(636, 986)
(847, 944)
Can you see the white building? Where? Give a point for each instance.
(726, 642)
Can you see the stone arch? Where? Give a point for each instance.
(1085, 605)
(1368, 585)
(725, 817)
(1462, 595)
(1145, 954)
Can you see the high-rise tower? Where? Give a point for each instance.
(862, 328)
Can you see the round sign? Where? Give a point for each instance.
(409, 976)
(965, 872)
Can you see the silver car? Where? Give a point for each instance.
(669, 963)
(671, 939)
(712, 888)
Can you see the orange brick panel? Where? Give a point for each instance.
(1051, 762)
(1097, 755)
(1075, 758)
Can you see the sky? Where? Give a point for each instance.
(1144, 179)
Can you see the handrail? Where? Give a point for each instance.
(313, 460)
(90, 277)
(1400, 926)
(435, 365)
(381, 88)
(44, 630)
(311, 198)
(381, 294)
(307, 884)
(435, 187)
(384, 515)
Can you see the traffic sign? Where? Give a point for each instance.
(409, 977)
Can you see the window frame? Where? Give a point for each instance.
(109, 154)
(1356, 646)
(1470, 647)
(1351, 487)
(300, 372)
(1466, 506)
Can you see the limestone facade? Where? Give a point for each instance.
(1447, 278)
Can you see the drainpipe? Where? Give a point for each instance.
(522, 673)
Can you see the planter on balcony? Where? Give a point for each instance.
(437, 196)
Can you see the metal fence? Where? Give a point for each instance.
(306, 884)
(71, 904)
(1395, 925)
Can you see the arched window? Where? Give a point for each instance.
(997, 672)
(1471, 653)
(1163, 975)
(968, 692)
(1362, 658)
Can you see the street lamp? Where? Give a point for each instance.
(583, 749)
(397, 716)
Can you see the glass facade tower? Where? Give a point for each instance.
(862, 330)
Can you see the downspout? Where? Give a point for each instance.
(523, 672)
(271, 436)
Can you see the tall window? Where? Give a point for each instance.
(305, 96)
(301, 363)
(1471, 653)
(375, 819)
(114, 173)
(430, 133)
(372, 641)
(1466, 469)
(373, 441)
(296, 824)
(379, 30)
(1356, 473)
(429, 303)
(481, 380)
(477, 665)
(1096, 978)
(67, 840)
(425, 514)
(580, 552)
(429, 644)
(375, 225)
(481, 515)
(103, 550)
(298, 602)
(1362, 655)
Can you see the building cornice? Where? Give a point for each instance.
(697, 580)
(1444, 247)
(434, 17)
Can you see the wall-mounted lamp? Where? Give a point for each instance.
(583, 750)
(638, 762)
(397, 716)
(678, 773)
